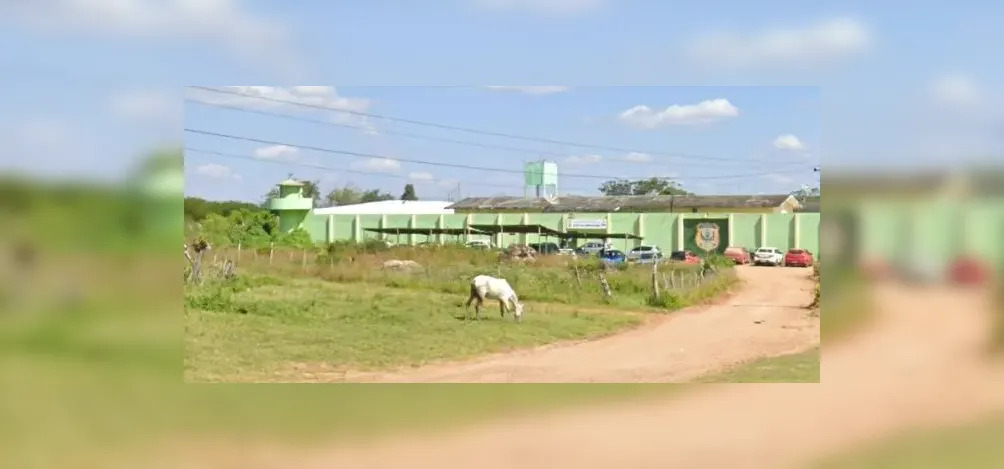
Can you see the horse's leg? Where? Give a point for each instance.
(470, 299)
(502, 307)
(477, 308)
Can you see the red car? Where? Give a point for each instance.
(798, 257)
(686, 257)
(738, 254)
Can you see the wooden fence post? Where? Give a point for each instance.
(655, 280)
(271, 252)
(238, 251)
(607, 293)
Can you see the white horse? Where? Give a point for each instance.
(484, 286)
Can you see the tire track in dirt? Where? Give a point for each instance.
(766, 317)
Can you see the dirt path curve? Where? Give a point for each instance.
(921, 364)
(765, 318)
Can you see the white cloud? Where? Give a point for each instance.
(421, 176)
(704, 112)
(216, 171)
(824, 41)
(276, 152)
(221, 23)
(635, 157)
(534, 90)
(323, 99)
(379, 165)
(146, 105)
(788, 142)
(955, 90)
(541, 6)
(584, 159)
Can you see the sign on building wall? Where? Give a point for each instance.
(705, 235)
(586, 224)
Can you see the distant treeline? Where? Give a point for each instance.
(197, 209)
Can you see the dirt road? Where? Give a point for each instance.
(922, 363)
(765, 318)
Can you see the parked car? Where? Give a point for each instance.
(739, 255)
(566, 252)
(768, 256)
(647, 258)
(612, 256)
(593, 247)
(545, 248)
(636, 253)
(479, 244)
(798, 257)
(687, 257)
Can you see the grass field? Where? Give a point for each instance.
(294, 320)
(976, 446)
(795, 368)
(273, 332)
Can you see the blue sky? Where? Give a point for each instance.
(93, 85)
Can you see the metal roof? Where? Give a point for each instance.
(389, 207)
(571, 203)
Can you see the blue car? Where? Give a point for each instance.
(613, 256)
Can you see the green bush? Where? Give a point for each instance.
(718, 261)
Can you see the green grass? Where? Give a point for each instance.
(795, 368)
(845, 305)
(275, 332)
(966, 447)
(447, 269)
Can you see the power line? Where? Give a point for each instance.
(474, 131)
(531, 151)
(339, 170)
(453, 165)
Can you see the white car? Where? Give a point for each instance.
(768, 256)
(594, 247)
(636, 253)
(479, 244)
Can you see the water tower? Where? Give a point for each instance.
(542, 178)
(291, 206)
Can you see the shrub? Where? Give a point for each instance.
(718, 261)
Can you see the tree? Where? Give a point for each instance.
(350, 194)
(375, 195)
(196, 208)
(409, 192)
(650, 186)
(344, 196)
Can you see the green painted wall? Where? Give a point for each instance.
(746, 230)
(661, 229)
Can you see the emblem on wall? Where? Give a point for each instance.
(707, 236)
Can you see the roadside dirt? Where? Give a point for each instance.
(766, 317)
